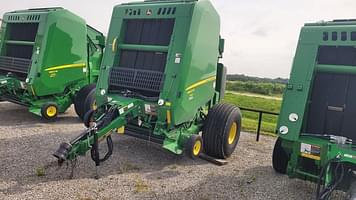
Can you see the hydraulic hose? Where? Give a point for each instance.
(95, 155)
(322, 173)
(325, 194)
(94, 152)
(328, 193)
(90, 138)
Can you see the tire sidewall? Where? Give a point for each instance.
(280, 158)
(80, 98)
(89, 102)
(44, 111)
(88, 117)
(230, 148)
(189, 146)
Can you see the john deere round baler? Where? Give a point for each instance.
(160, 80)
(49, 58)
(317, 121)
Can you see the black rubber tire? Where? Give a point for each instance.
(279, 158)
(80, 98)
(88, 117)
(351, 193)
(216, 130)
(89, 103)
(190, 146)
(44, 111)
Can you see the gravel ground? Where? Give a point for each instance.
(137, 169)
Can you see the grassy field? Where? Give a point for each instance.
(250, 119)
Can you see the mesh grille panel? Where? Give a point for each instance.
(136, 80)
(16, 66)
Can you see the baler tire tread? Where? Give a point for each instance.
(80, 98)
(88, 103)
(218, 145)
(210, 137)
(216, 142)
(216, 129)
(88, 117)
(279, 158)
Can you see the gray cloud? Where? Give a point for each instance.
(261, 32)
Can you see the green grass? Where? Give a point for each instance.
(250, 119)
(40, 171)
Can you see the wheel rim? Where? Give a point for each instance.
(197, 148)
(51, 111)
(232, 133)
(94, 106)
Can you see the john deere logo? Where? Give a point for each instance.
(149, 12)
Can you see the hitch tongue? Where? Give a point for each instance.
(62, 152)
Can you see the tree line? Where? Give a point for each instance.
(264, 86)
(242, 77)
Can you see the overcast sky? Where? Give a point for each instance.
(261, 36)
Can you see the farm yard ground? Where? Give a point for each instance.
(137, 169)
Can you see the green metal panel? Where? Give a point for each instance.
(199, 64)
(60, 39)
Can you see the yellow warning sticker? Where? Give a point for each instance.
(310, 151)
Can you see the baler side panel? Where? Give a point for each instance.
(96, 44)
(115, 35)
(297, 93)
(198, 73)
(65, 54)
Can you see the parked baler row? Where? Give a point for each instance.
(160, 80)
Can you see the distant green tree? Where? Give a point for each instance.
(256, 87)
(242, 77)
